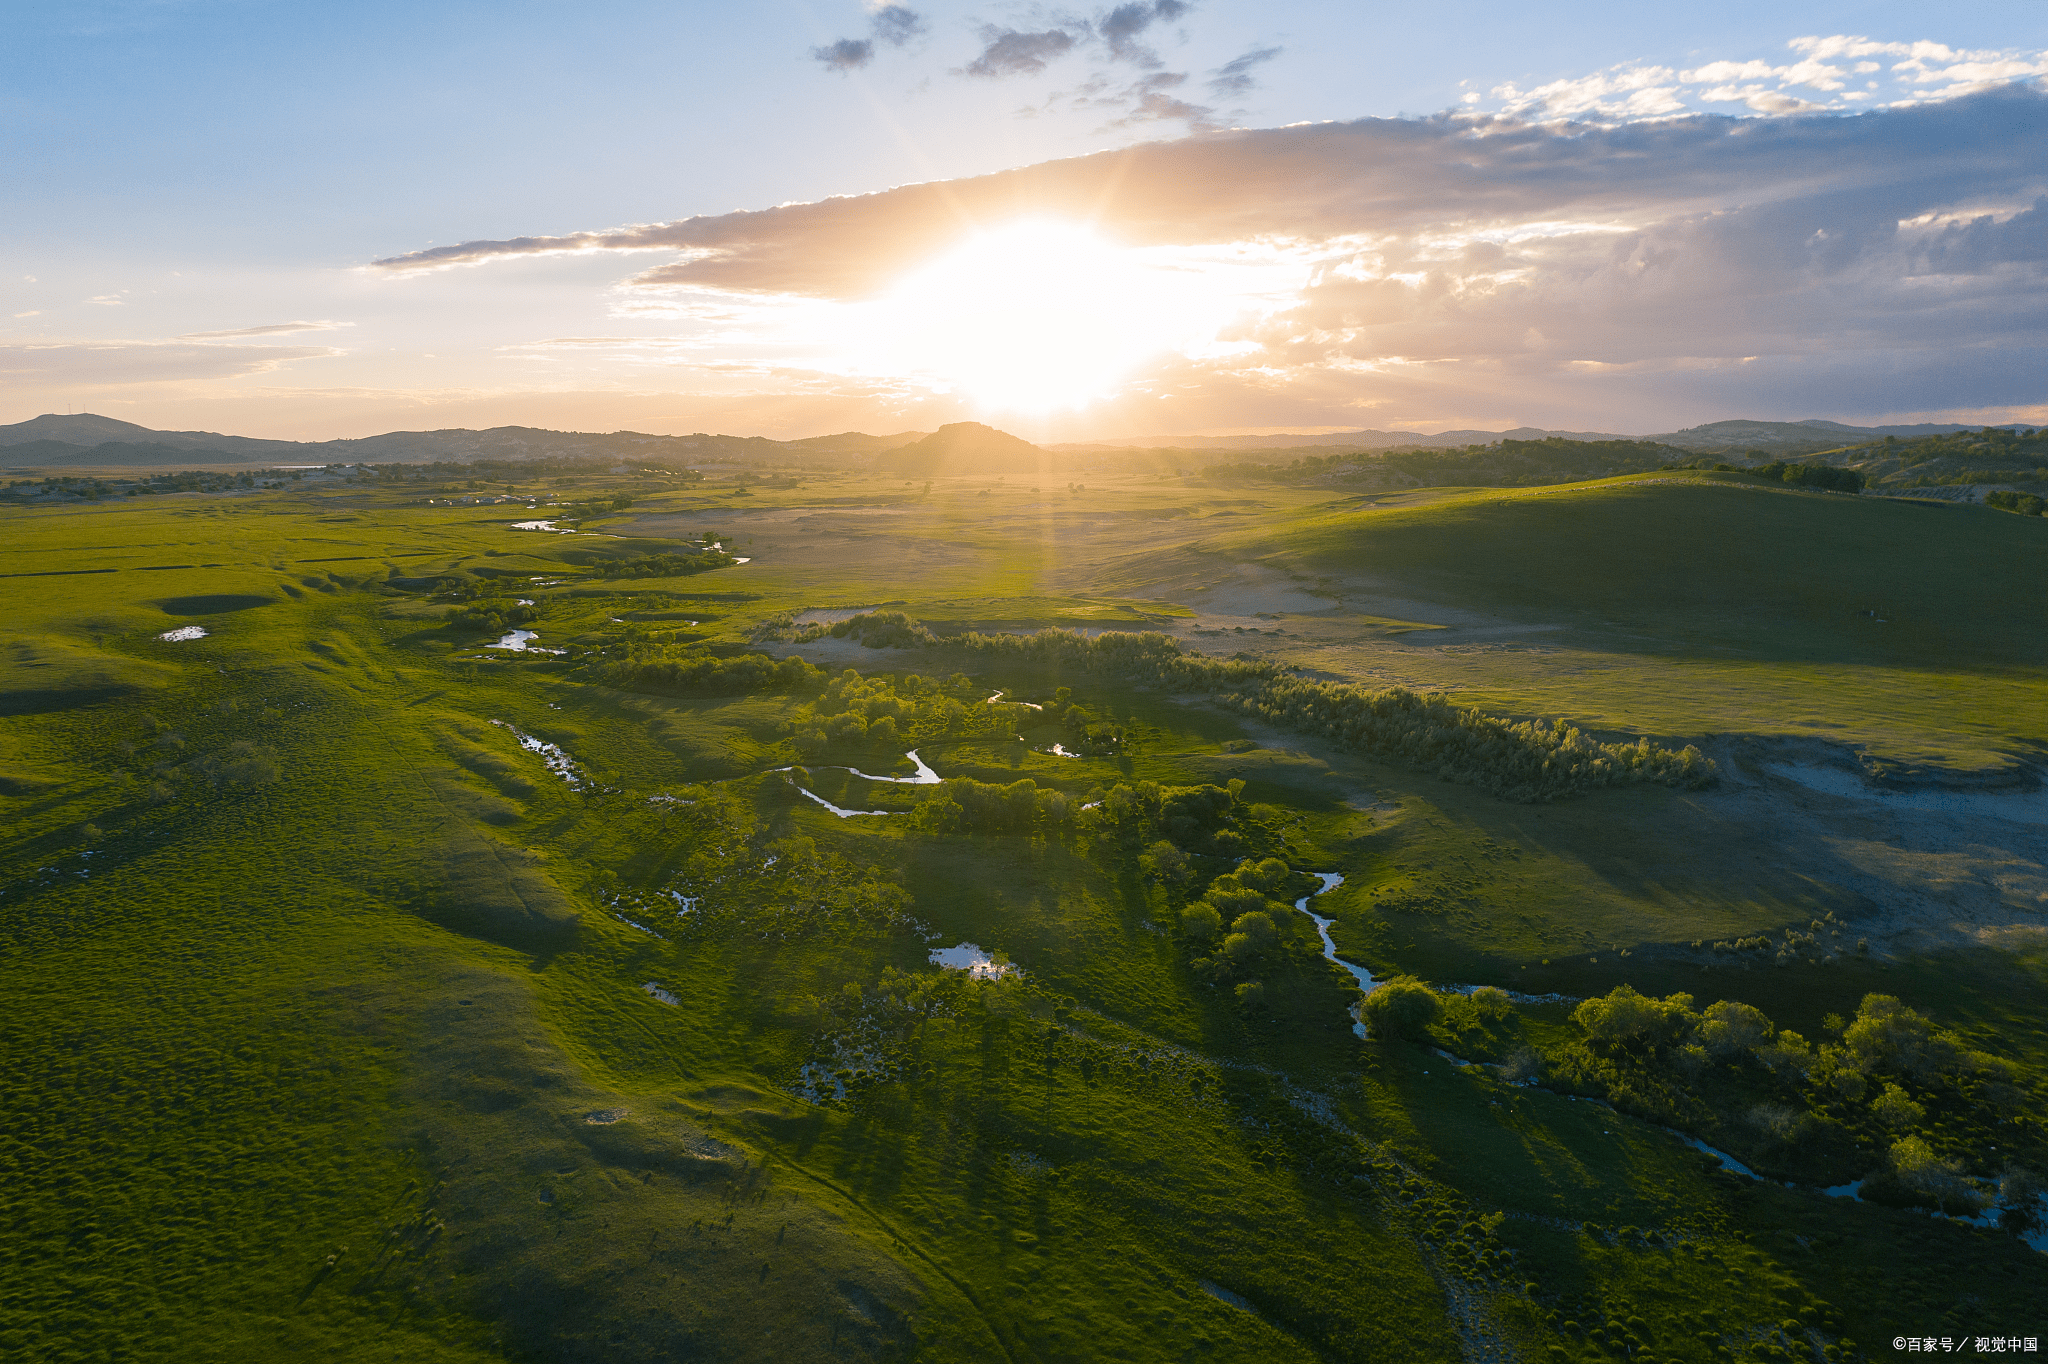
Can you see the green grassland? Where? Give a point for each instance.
(344, 1026)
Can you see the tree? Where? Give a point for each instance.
(1201, 921)
(1401, 1007)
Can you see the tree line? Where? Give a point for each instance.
(1525, 761)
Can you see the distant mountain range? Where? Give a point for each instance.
(1775, 437)
(87, 440)
(1343, 440)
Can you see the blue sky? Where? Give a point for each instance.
(183, 171)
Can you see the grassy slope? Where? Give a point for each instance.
(245, 1052)
(1695, 608)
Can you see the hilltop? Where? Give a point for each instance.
(964, 448)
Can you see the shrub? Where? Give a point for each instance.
(1920, 1169)
(1168, 863)
(1492, 1003)
(1251, 994)
(1787, 1056)
(1850, 1084)
(1886, 1035)
(1896, 1109)
(1258, 926)
(1401, 1007)
(1624, 1018)
(1233, 898)
(1267, 876)
(1520, 1064)
(1780, 1123)
(1729, 1029)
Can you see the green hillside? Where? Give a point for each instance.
(380, 994)
(1894, 624)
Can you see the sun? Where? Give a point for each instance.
(1031, 317)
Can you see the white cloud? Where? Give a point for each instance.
(1925, 70)
(1622, 92)
(1702, 263)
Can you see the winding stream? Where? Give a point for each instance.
(1366, 984)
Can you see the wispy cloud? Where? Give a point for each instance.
(1006, 52)
(847, 54)
(898, 25)
(1234, 78)
(272, 329)
(118, 363)
(1119, 38)
(1123, 26)
(890, 26)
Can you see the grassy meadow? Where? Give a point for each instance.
(380, 995)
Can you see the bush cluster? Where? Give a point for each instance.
(883, 712)
(1826, 476)
(1666, 1061)
(697, 672)
(966, 805)
(2026, 504)
(662, 565)
(494, 615)
(875, 629)
(1526, 761)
